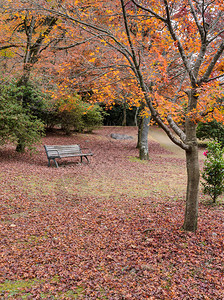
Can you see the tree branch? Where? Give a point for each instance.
(76, 44)
(179, 45)
(157, 16)
(200, 28)
(212, 64)
(9, 46)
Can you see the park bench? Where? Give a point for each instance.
(60, 151)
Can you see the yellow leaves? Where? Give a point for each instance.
(103, 42)
(145, 112)
(7, 53)
(90, 107)
(68, 103)
(220, 67)
(92, 59)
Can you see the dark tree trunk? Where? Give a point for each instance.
(20, 146)
(193, 175)
(139, 124)
(124, 121)
(193, 172)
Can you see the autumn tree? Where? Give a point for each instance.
(177, 67)
(27, 36)
(99, 67)
(197, 34)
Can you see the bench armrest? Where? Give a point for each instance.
(54, 150)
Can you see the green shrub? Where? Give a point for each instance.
(211, 130)
(17, 125)
(77, 115)
(213, 172)
(92, 117)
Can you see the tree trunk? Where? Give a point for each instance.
(124, 121)
(139, 124)
(136, 116)
(143, 139)
(20, 147)
(193, 172)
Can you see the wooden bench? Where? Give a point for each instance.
(60, 151)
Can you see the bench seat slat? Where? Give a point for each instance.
(60, 151)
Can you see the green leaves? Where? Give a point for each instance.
(213, 130)
(213, 173)
(16, 122)
(78, 115)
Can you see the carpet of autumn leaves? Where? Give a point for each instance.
(110, 229)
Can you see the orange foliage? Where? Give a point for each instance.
(92, 54)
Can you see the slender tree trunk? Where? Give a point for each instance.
(124, 121)
(136, 116)
(139, 124)
(143, 143)
(23, 81)
(193, 172)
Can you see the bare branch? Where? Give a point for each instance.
(216, 36)
(76, 44)
(176, 128)
(180, 47)
(215, 78)
(150, 11)
(210, 68)
(200, 28)
(9, 46)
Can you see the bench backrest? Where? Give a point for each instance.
(53, 150)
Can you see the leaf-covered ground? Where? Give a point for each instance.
(107, 230)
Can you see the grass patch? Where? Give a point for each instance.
(137, 159)
(13, 288)
(18, 289)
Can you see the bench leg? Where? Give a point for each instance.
(56, 164)
(49, 162)
(85, 158)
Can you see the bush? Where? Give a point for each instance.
(17, 125)
(213, 172)
(92, 117)
(211, 130)
(77, 115)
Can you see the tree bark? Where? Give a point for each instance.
(143, 138)
(193, 175)
(139, 124)
(193, 172)
(124, 121)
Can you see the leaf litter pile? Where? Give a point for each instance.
(110, 229)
